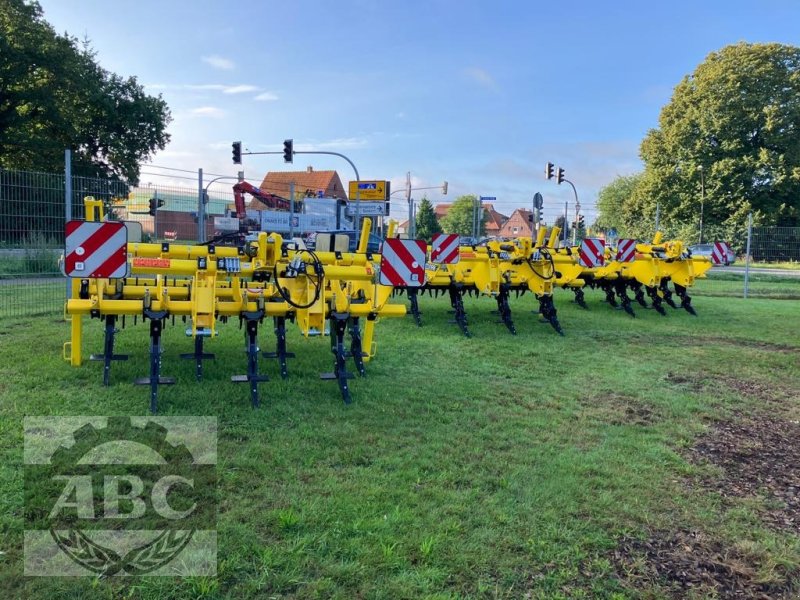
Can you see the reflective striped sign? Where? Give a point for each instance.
(96, 249)
(626, 250)
(592, 253)
(719, 253)
(444, 248)
(403, 263)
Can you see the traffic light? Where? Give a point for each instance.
(155, 204)
(444, 189)
(581, 222)
(548, 170)
(237, 152)
(559, 175)
(288, 151)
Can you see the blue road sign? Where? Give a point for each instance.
(488, 199)
(369, 185)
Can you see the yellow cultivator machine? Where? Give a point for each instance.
(643, 269)
(495, 270)
(323, 291)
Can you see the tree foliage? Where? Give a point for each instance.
(427, 225)
(54, 95)
(460, 217)
(738, 118)
(613, 203)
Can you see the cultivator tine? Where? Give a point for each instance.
(414, 302)
(280, 348)
(340, 372)
(108, 349)
(686, 300)
(638, 293)
(667, 293)
(580, 298)
(652, 291)
(155, 379)
(622, 294)
(198, 355)
(549, 312)
(610, 298)
(356, 348)
(252, 377)
(504, 309)
(457, 302)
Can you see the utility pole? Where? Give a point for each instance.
(575, 227)
(291, 210)
(658, 214)
(702, 200)
(566, 216)
(411, 223)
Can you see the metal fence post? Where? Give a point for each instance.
(68, 202)
(201, 208)
(747, 254)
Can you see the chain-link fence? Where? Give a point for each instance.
(771, 269)
(35, 206)
(33, 210)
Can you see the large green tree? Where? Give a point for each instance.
(427, 224)
(729, 137)
(613, 201)
(54, 95)
(460, 217)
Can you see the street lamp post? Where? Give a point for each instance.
(702, 199)
(411, 212)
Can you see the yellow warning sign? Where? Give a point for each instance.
(369, 190)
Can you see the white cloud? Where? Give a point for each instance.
(207, 111)
(219, 63)
(481, 77)
(241, 88)
(335, 144)
(266, 96)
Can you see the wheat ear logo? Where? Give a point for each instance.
(111, 496)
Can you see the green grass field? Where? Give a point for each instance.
(494, 467)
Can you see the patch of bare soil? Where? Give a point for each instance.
(759, 457)
(690, 564)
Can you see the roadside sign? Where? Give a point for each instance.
(488, 199)
(626, 250)
(96, 249)
(444, 248)
(226, 223)
(403, 263)
(368, 190)
(592, 253)
(367, 209)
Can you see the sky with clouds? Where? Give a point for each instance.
(479, 93)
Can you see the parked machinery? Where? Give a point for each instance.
(205, 285)
(494, 270)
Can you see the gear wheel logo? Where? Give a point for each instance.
(120, 496)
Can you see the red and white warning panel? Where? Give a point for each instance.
(444, 248)
(403, 263)
(592, 253)
(626, 250)
(96, 249)
(720, 253)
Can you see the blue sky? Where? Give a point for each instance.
(480, 94)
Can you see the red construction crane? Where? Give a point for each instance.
(271, 200)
